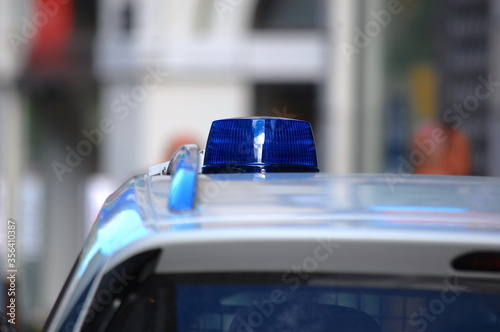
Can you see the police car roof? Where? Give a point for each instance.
(292, 199)
(291, 207)
(372, 224)
(359, 206)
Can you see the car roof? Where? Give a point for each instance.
(373, 201)
(304, 201)
(297, 207)
(406, 225)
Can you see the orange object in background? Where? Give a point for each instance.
(449, 156)
(177, 143)
(444, 150)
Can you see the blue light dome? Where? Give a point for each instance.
(249, 145)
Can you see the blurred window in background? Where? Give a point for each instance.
(296, 100)
(432, 80)
(289, 15)
(463, 36)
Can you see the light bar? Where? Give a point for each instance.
(250, 145)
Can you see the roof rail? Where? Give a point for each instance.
(183, 168)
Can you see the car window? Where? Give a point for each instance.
(217, 303)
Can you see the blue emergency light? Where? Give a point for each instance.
(260, 144)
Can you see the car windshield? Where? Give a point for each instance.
(181, 304)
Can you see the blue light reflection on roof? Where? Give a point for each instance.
(121, 197)
(419, 223)
(119, 222)
(439, 209)
(185, 226)
(127, 228)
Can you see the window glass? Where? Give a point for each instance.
(289, 15)
(178, 304)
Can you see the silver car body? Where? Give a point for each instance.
(408, 229)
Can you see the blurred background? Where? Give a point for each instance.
(95, 91)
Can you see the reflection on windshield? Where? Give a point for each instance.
(256, 308)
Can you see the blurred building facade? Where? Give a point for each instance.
(171, 67)
(13, 140)
(137, 78)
